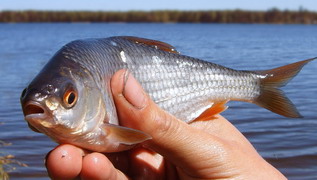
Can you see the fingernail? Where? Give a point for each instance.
(133, 91)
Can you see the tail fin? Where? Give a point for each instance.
(273, 98)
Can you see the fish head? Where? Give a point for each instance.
(63, 102)
(72, 103)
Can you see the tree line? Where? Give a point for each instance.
(272, 16)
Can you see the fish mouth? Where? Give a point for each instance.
(33, 108)
(37, 115)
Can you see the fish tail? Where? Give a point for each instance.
(271, 97)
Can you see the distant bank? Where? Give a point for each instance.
(273, 16)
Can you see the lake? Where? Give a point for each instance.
(289, 144)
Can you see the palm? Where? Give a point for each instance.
(141, 163)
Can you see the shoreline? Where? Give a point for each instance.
(272, 16)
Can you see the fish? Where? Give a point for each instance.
(70, 99)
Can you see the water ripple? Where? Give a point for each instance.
(289, 144)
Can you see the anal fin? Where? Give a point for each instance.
(215, 109)
(125, 135)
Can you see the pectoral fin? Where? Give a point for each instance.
(125, 135)
(216, 108)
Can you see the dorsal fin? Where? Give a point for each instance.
(152, 43)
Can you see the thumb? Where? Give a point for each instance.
(178, 142)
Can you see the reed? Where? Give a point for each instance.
(3, 174)
(8, 162)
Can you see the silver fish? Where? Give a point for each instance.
(71, 102)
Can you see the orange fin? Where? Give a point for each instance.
(125, 135)
(215, 109)
(153, 43)
(273, 98)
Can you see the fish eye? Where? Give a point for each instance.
(70, 97)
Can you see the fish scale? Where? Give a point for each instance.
(175, 99)
(160, 83)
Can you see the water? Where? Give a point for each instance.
(289, 144)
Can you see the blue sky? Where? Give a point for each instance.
(123, 5)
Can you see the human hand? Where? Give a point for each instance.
(212, 149)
